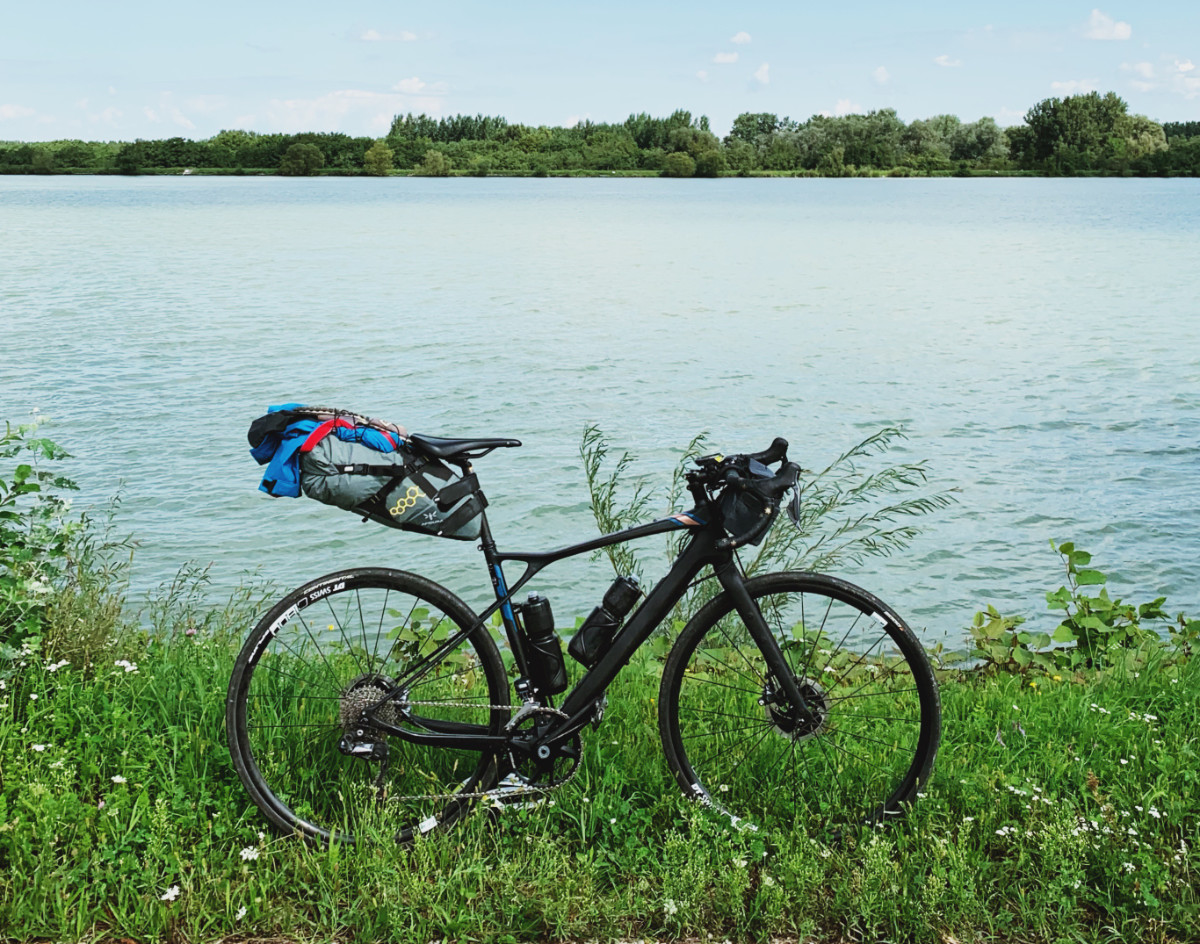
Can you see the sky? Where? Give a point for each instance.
(135, 69)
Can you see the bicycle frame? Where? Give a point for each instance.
(580, 702)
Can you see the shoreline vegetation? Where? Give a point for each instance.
(1063, 805)
(1082, 135)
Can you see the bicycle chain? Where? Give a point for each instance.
(496, 792)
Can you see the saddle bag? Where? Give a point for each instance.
(364, 466)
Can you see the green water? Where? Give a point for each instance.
(1038, 338)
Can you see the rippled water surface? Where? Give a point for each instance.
(1038, 339)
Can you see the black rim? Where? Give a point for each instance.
(859, 752)
(312, 667)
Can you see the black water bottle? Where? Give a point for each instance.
(593, 638)
(546, 664)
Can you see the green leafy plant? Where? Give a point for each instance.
(848, 511)
(34, 531)
(1098, 625)
(1095, 631)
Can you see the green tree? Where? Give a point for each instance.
(749, 127)
(741, 157)
(378, 160)
(42, 161)
(833, 164)
(434, 164)
(1084, 133)
(678, 164)
(301, 160)
(710, 163)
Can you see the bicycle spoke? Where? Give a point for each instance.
(848, 759)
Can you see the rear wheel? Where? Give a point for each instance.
(857, 755)
(333, 650)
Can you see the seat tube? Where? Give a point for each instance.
(733, 584)
(507, 616)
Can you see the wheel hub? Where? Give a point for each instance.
(788, 720)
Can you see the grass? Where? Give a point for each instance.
(1064, 810)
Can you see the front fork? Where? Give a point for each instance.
(731, 581)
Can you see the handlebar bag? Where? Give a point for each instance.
(742, 509)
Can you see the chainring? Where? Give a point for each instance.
(541, 766)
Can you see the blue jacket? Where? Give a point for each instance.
(279, 449)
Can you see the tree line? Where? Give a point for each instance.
(1090, 134)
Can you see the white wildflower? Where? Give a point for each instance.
(170, 894)
(669, 907)
(241, 913)
(39, 747)
(117, 778)
(251, 852)
(57, 665)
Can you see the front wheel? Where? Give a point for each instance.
(328, 653)
(855, 753)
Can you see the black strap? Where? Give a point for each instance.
(451, 494)
(362, 468)
(469, 509)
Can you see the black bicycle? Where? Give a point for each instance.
(374, 702)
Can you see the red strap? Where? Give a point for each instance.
(328, 426)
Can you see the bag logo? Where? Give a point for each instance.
(411, 494)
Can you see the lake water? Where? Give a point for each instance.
(1039, 340)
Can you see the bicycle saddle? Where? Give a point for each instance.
(441, 448)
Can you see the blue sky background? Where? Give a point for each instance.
(139, 69)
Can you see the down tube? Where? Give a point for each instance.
(644, 621)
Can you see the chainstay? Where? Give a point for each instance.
(508, 792)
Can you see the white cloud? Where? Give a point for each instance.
(374, 36)
(15, 111)
(702, 75)
(1173, 75)
(573, 120)
(1102, 26)
(206, 103)
(947, 62)
(843, 107)
(167, 110)
(740, 39)
(413, 86)
(725, 57)
(82, 103)
(1007, 117)
(346, 109)
(1075, 86)
(881, 75)
(108, 117)
(762, 73)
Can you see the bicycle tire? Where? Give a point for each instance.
(311, 665)
(867, 747)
